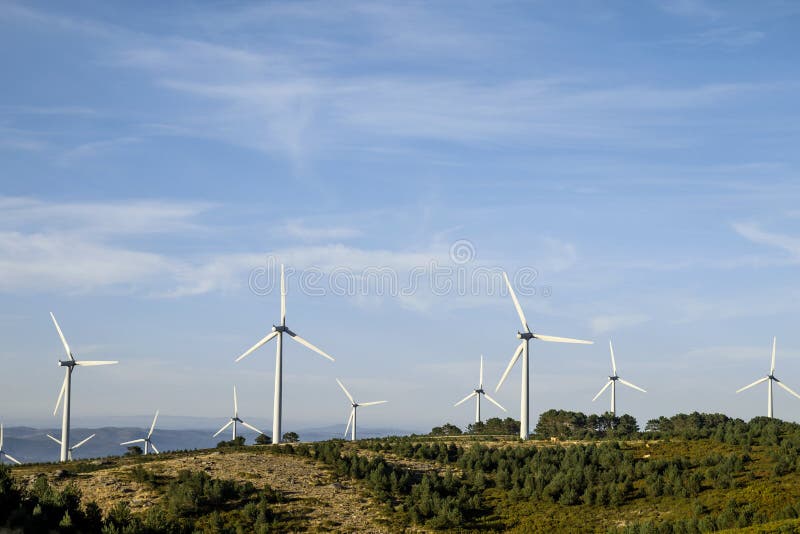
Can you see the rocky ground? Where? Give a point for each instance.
(312, 492)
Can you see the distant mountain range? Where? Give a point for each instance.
(28, 444)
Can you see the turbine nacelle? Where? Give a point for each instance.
(281, 328)
(525, 335)
(66, 363)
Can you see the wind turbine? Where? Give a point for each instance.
(524, 350)
(4, 453)
(772, 378)
(235, 419)
(278, 331)
(70, 449)
(66, 388)
(612, 381)
(146, 439)
(477, 394)
(353, 412)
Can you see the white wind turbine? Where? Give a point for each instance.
(146, 440)
(772, 378)
(4, 453)
(235, 419)
(612, 381)
(66, 388)
(353, 412)
(524, 350)
(70, 449)
(278, 331)
(477, 394)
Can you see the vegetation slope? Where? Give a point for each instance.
(687, 473)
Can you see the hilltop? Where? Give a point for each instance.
(693, 473)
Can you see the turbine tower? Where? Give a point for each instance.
(477, 394)
(235, 419)
(612, 381)
(70, 449)
(524, 350)
(353, 412)
(146, 440)
(4, 453)
(772, 378)
(278, 331)
(66, 388)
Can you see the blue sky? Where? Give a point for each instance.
(639, 156)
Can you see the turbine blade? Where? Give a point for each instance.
(235, 403)
(283, 297)
(601, 391)
(54, 439)
(63, 339)
(349, 420)
(12, 458)
(465, 399)
(757, 382)
(153, 425)
(61, 394)
(781, 384)
(510, 365)
(154, 448)
(630, 385)
(494, 402)
(229, 423)
(251, 427)
(131, 442)
(480, 382)
(82, 442)
(310, 346)
(613, 361)
(257, 345)
(772, 367)
(373, 403)
(92, 363)
(345, 390)
(516, 304)
(555, 339)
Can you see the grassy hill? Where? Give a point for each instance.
(685, 474)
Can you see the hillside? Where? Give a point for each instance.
(694, 474)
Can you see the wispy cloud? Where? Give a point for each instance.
(690, 8)
(299, 229)
(26, 214)
(754, 233)
(94, 149)
(726, 36)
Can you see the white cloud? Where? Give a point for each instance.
(34, 262)
(754, 233)
(85, 247)
(100, 218)
(299, 229)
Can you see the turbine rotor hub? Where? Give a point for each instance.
(280, 328)
(66, 363)
(525, 335)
